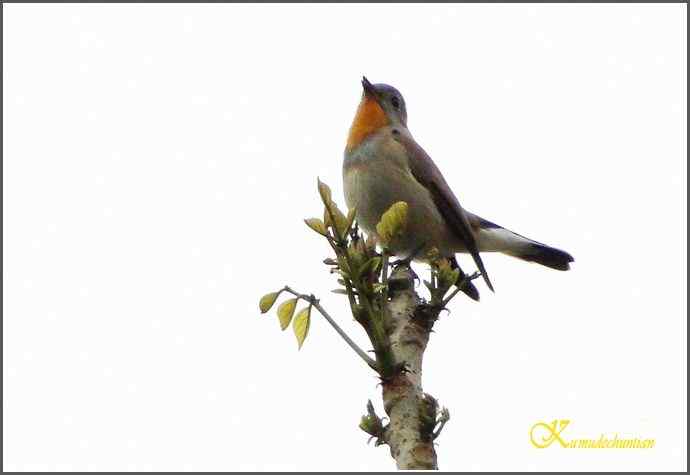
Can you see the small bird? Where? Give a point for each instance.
(384, 164)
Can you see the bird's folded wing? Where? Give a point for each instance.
(425, 171)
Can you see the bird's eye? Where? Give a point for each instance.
(395, 102)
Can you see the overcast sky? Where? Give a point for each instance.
(158, 163)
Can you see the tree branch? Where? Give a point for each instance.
(408, 434)
(315, 303)
(396, 319)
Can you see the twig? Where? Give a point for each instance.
(378, 335)
(384, 276)
(348, 285)
(458, 288)
(384, 267)
(445, 417)
(315, 303)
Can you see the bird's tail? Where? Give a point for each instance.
(492, 237)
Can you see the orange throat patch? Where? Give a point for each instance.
(369, 118)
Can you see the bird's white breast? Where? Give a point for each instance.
(375, 176)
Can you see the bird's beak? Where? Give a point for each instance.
(368, 87)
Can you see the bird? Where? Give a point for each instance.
(383, 164)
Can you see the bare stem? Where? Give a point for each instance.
(384, 267)
(315, 303)
(384, 278)
(378, 337)
(445, 417)
(458, 288)
(348, 284)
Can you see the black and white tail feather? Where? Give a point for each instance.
(491, 237)
(494, 238)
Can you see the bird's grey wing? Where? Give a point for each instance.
(428, 175)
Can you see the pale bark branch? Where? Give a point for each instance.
(407, 434)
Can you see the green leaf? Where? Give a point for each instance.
(285, 312)
(332, 216)
(432, 255)
(392, 222)
(327, 219)
(343, 266)
(369, 425)
(267, 301)
(300, 325)
(453, 278)
(447, 276)
(325, 192)
(357, 245)
(317, 225)
(371, 265)
(341, 223)
(350, 218)
(370, 243)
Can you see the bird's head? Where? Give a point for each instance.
(388, 98)
(381, 106)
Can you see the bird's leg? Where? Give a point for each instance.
(408, 260)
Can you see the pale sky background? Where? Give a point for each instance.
(158, 163)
